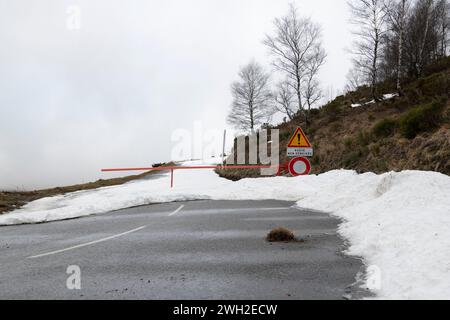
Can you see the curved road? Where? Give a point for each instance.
(192, 250)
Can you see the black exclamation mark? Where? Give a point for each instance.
(299, 138)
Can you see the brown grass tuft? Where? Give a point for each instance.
(281, 235)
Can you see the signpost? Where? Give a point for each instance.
(299, 147)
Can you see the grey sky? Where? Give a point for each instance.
(111, 93)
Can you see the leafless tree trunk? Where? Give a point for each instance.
(285, 99)
(251, 98)
(443, 17)
(397, 11)
(427, 13)
(401, 34)
(370, 18)
(294, 44)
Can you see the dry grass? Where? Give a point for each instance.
(10, 200)
(281, 235)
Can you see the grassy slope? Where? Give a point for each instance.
(407, 132)
(10, 200)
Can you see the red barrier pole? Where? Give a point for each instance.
(190, 167)
(172, 169)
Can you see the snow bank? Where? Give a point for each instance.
(398, 222)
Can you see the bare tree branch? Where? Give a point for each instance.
(295, 45)
(285, 99)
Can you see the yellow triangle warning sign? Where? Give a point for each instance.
(299, 140)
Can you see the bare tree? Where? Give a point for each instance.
(397, 11)
(370, 17)
(355, 80)
(295, 42)
(417, 37)
(312, 92)
(443, 25)
(427, 10)
(285, 99)
(251, 98)
(422, 45)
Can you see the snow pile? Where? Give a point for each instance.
(398, 222)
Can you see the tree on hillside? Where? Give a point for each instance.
(252, 98)
(294, 45)
(425, 14)
(443, 26)
(370, 18)
(285, 99)
(312, 92)
(397, 12)
(417, 36)
(427, 36)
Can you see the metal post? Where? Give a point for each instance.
(223, 147)
(171, 178)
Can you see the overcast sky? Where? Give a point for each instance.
(112, 92)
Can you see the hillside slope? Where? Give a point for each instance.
(398, 133)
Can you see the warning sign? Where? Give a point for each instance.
(299, 145)
(299, 140)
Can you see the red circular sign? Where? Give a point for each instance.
(299, 167)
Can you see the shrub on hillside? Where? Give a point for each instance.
(435, 85)
(388, 85)
(439, 66)
(333, 109)
(364, 138)
(421, 118)
(314, 112)
(348, 142)
(446, 115)
(385, 127)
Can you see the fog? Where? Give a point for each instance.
(110, 91)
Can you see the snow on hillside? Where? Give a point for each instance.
(398, 222)
(387, 96)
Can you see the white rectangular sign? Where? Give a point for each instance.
(300, 152)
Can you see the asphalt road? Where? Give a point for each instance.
(192, 250)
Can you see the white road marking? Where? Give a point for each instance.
(176, 211)
(137, 229)
(87, 244)
(271, 209)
